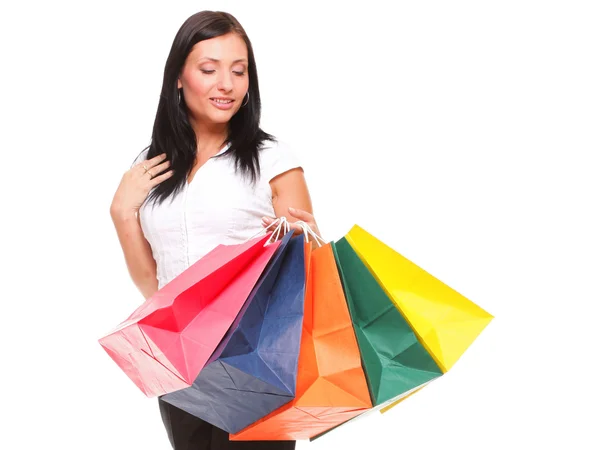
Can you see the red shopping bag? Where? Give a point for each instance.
(165, 343)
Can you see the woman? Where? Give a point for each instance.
(210, 176)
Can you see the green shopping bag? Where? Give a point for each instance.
(394, 361)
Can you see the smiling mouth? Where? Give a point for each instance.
(221, 101)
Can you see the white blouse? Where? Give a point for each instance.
(219, 206)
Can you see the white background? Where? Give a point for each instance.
(463, 134)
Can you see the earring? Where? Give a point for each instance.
(247, 100)
(179, 95)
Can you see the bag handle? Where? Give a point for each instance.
(282, 225)
(308, 230)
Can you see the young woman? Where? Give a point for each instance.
(210, 176)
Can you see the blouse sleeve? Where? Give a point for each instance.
(277, 158)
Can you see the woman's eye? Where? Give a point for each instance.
(207, 71)
(239, 73)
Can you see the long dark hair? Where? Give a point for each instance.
(172, 133)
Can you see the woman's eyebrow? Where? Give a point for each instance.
(218, 60)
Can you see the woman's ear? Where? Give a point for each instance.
(179, 85)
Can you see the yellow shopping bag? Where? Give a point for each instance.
(445, 322)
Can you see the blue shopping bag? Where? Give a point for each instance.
(253, 371)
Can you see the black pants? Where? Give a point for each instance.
(187, 432)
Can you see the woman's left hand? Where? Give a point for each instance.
(303, 216)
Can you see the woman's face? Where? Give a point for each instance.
(214, 79)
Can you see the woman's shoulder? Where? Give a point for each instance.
(277, 149)
(277, 157)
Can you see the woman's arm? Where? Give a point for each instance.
(124, 210)
(292, 199)
(137, 252)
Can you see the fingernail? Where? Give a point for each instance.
(291, 209)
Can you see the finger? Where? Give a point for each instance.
(159, 179)
(302, 215)
(156, 170)
(297, 228)
(153, 162)
(148, 163)
(267, 221)
(282, 233)
(141, 167)
(160, 168)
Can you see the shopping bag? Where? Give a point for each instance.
(254, 369)
(445, 322)
(448, 321)
(331, 385)
(167, 340)
(394, 361)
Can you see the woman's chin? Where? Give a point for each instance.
(221, 117)
(214, 117)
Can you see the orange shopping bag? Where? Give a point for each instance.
(331, 386)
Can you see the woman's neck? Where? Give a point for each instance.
(210, 138)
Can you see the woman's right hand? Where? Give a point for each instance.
(136, 185)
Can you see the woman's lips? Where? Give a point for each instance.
(222, 103)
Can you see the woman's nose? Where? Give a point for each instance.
(225, 82)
